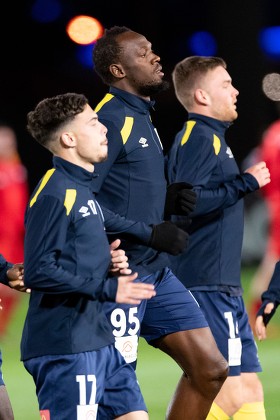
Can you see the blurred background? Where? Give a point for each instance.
(39, 59)
(46, 49)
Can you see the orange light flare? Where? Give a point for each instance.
(84, 30)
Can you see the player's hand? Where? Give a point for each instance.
(132, 292)
(262, 320)
(168, 237)
(180, 199)
(261, 172)
(15, 276)
(119, 261)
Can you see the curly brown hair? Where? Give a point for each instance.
(52, 113)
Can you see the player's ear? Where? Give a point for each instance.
(117, 71)
(201, 96)
(68, 139)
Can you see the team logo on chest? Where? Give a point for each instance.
(86, 210)
(229, 153)
(143, 142)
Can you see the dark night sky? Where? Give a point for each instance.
(37, 60)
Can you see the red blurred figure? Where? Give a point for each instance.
(14, 194)
(269, 151)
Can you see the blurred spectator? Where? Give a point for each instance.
(14, 195)
(269, 151)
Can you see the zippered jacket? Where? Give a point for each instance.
(201, 156)
(67, 257)
(132, 180)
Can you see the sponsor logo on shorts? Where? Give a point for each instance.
(45, 415)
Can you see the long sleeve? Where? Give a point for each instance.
(4, 266)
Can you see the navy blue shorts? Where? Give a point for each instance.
(71, 386)
(228, 321)
(1, 374)
(173, 309)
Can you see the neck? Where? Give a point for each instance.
(127, 88)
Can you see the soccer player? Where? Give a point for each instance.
(269, 151)
(10, 275)
(67, 342)
(132, 183)
(13, 183)
(270, 302)
(211, 266)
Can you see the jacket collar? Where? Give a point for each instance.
(133, 101)
(219, 126)
(76, 173)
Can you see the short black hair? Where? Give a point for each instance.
(107, 51)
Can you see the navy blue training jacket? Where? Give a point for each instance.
(132, 181)
(4, 266)
(201, 156)
(272, 294)
(66, 259)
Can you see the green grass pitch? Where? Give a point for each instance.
(157, 373)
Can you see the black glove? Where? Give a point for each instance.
(267, 317)
(169, 238)
(180, 199)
